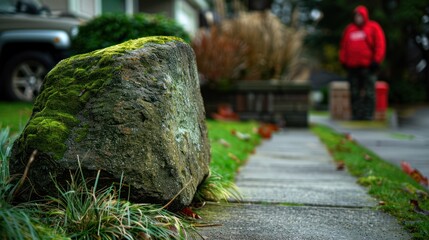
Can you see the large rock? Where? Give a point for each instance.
(132, 109)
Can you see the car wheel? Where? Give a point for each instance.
(24, 74)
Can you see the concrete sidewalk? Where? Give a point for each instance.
(293, 191)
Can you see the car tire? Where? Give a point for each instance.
(23, 74)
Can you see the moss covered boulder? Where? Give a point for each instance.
(132, 110)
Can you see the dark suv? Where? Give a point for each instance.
(32, 41)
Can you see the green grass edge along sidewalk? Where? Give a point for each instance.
(387, 183)
(231, 144)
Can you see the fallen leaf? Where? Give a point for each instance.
(233, 157)
(348, 136)
(225, 112)
(368, 157)
(340, 165)
(417, 208)
(224, 143)
(265, 131)
(406, 167)
(415, 174)
(418, 176)
(273, 127)
(255, 130)
(381, 203)
(187, 211)
(242, 136)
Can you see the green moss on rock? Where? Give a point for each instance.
(134, 44)
(66, 90)
(81, 133)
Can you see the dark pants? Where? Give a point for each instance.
(362, 91)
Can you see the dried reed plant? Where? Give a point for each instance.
(273, 48)
(220, 58)
(252, 46)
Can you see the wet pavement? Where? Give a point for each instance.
(292, 191)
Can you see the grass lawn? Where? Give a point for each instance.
(14, 115)
(386, 182)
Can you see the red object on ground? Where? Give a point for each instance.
(414, 173)
(226, 113)
(406, 167)
(266, 130)
(382, 96)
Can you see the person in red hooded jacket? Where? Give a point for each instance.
(362, 50)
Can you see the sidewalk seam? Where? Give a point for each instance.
(286, 204)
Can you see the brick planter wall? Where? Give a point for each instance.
(285, 104)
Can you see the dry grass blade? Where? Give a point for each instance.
(177, 194)
(86, 212)
(25, 174)
(216, 189)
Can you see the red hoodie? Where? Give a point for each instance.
(362, 45)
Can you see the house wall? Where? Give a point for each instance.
(185, 12)
(57, 5)
(82, 8)
(187, 16)
(165, 7)
(113, 6)
(85, 8)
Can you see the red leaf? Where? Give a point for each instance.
(415, 174)
(418, 176)
(406, 167)
(187, 211)
(265, 131)
(225, 112)
(340, 165)
(348, 136)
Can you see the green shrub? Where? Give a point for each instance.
(110, 29)
(404, 91)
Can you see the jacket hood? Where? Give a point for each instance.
(362, 10)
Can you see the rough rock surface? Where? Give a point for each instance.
(133, 109)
